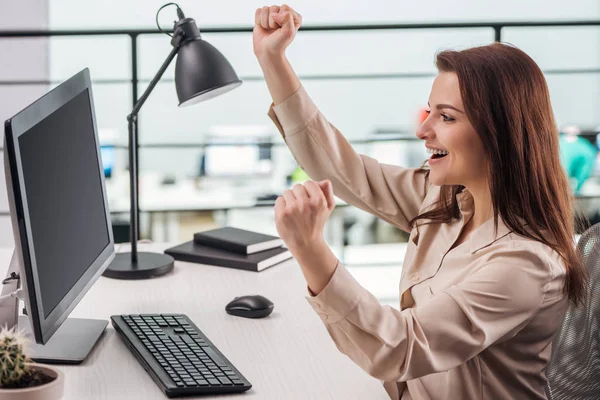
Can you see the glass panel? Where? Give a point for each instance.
(331, 53)
(575, 99)
(107, 57)
(357, 107)
(558, 47)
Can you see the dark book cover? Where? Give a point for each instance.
(196, 253)
(237, 240)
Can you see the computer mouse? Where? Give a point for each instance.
(255, 306)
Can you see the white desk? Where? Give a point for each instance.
(286, 356)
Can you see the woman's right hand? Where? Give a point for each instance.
(275, 28)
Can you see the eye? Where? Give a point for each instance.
(447, 118)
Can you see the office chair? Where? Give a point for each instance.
(574, 369)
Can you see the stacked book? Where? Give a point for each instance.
(233, 248)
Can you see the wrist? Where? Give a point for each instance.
(271, 59)
(316, 244)
(318, 264)
(311, 253)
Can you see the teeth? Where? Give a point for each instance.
(435, 151)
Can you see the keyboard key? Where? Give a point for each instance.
(224, 381)
(215, 357)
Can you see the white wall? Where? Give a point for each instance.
(25, 60)
(141, 13)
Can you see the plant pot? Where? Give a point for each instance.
(53, 390)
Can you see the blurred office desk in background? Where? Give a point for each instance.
(288, 355)
(162, 203)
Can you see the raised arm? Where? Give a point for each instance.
(274, 29)
(394, 194)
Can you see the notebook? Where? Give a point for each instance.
(196, 253)
(237, 240)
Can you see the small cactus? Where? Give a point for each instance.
(13, 367)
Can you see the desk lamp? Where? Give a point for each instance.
(201, 73)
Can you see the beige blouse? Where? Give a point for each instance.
(476, 322)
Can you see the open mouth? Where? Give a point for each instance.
(436, 156)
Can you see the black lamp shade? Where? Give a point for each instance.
(202, 72)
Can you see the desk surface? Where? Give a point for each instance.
(288, 355)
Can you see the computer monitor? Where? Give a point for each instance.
(237, 157)
(60, 216)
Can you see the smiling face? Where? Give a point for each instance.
(447, 128)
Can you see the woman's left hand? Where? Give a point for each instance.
(301, 213)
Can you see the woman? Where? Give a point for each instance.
(490, 265)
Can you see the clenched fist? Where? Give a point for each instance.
(301, 214)
(274, 29)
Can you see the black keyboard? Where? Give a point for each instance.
(178, 356)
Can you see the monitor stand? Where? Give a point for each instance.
(70, 344)
(72, 341)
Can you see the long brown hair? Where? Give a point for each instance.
(506, 99)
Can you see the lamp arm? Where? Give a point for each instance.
(176, 42)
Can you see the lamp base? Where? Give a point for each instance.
(148, 265)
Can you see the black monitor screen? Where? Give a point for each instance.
(64, 195)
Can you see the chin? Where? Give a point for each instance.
(438, 179)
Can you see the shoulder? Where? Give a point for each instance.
(509, 277)
(514, 258)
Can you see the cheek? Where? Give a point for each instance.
(466, 146)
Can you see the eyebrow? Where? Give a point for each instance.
(441, 106)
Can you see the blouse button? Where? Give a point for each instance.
(415, 277)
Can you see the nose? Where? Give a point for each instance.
(425, 130)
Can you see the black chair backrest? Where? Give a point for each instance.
(574, 369)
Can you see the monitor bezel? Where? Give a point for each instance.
(42, 327)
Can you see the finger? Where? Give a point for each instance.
(290, 24)
(279, 203)
(264, 17)
(289, 198)
(284, 19)
(257, 16)
(300, 192)
(297, 17)
(327, 189)
(315, 194)
(273, 12)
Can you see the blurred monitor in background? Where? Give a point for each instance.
(107, 139)
(397, 147)
(107, 153)
(236, 160)
(237, 151)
